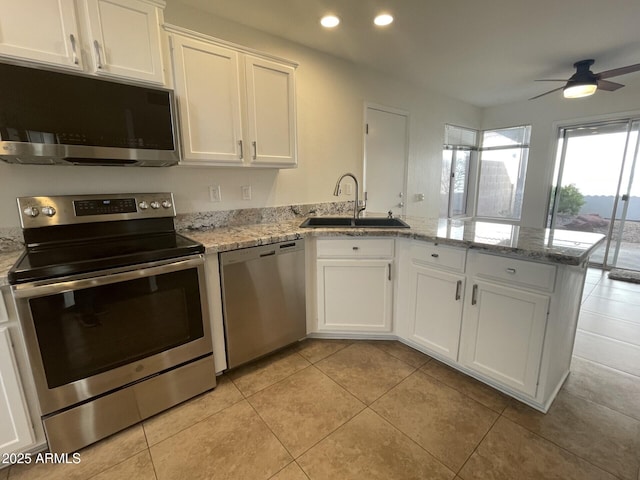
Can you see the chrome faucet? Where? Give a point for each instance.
(356, 207)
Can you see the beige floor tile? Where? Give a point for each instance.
(232, 444)
(511, 452)
(304, 408)
(192, 411)
(606, 438)
(315, 349)
(138, 467)
(290, 472)
(617, 390)
(255, 376)
(365, 371)
(93, 459)
(446, 423)
(403, 352)
(613, 353)
(368, 448)
(484, 394)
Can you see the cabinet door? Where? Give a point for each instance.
(40, 30)
(354, 295)
(271, 112)
(15, 427)
(435, 310)
(124, 39)
(503, 334)
(207, 89)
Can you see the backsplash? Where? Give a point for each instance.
(252, 216)
(11, 238)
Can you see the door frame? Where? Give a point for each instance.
(396, 111)
(558, 172)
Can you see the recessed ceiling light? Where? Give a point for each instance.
(329, 21)
(383, 19)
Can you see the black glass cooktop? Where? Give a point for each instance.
(62, 259)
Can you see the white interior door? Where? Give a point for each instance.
(385, 159)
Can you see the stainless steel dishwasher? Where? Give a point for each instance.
(263, 299)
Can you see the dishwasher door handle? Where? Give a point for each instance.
(268, 254)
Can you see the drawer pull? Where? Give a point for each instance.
(474, 295)
(512, 271)
(435, 255)
(458, 288)
(356, 248)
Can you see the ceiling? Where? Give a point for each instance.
(482, 52)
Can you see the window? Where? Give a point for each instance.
(459, 146)
(501, 173)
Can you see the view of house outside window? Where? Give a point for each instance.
(502, 170)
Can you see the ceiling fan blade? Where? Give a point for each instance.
(609, 86)
(619, 71)
(547, 93)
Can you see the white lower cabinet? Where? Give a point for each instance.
(503, 334)
(15, 427)
(354, 285)
(430, 298)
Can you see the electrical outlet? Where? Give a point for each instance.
(214, 193)
(348, 189)
(246, 192)
(419, 197)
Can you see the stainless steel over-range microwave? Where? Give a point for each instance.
(48, 117)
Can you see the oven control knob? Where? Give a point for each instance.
(155, 205)
(31, 211)
(143, 205)
(49, 211)
(167, 204)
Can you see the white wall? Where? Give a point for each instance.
(545, 115)
(331, 95)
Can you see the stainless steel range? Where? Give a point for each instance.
(112, 303)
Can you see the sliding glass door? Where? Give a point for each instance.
(595, 189)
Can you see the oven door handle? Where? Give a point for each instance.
(105, 277)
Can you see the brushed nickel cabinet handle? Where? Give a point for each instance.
(435, 255)
(389, 272)
(72, 39)
(255, 150)
(511, 270)
(96, 46)
(474, 295)
(458, 289)
(241, 150)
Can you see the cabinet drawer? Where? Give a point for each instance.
(355, 247)
(516, 272)
(439, 256)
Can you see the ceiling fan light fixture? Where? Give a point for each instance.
(330, 21)
(579, 90)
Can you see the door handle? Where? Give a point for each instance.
(72, 39)
(474, 295)
(255, 150)
(389, 272)
(241, 151)
(458, 289)
(96, 46)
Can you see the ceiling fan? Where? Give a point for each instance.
(584, 82)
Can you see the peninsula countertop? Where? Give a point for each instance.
(540, 244)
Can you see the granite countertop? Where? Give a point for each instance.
(556, 246)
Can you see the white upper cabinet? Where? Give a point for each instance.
(124, 38)
(207, 89)
(235, 107)
(271, 112)
(45, 31)
(115, 38)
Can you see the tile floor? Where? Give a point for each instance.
(337, 409)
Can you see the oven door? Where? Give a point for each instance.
(92, 334)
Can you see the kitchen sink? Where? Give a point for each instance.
(344, 222)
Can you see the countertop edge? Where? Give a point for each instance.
(289, 232)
